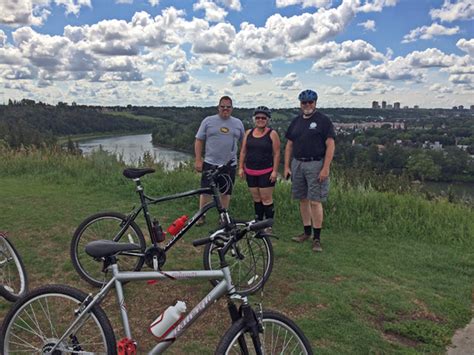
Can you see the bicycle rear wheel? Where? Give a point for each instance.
(36, 323)
(13, 278)
(104, 226)
(280, 336)
(250, 263)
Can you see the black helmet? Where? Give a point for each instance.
(308, 95)
(263, 109)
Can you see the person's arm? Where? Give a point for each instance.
(198, 148)
(243, 153)
(276, 154)
(288, 153)
(330, 148)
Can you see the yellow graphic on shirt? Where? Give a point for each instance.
(225, 130)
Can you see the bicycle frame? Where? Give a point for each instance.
(224, 287)
(147, 201)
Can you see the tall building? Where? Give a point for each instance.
(375, 104)
(384, 104)
(416, 107)
(461, 107)
(472, 107)
(396, 105)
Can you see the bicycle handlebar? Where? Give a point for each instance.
(212, 173)
(201, 241)
(261, 225)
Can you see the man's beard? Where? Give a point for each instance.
(308, 112)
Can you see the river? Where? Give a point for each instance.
(132, 147)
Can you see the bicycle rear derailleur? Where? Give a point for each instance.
(155, 257)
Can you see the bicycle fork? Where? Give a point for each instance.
(252, 325)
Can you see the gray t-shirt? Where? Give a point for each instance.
(221, 137)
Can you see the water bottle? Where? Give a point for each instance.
(177, 225)
(167, 320)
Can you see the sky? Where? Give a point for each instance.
(260, 52)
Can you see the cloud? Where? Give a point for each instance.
(429, 58)
(216, 39)
(304, 3)
(213, 13)
(289, 82)
(428, 32)
(154, 2)
(124, 1)
(454, 11)
(461, 79)
(337, 90)
(177, 72)
(466, 46)
(441, 89)
(238, 79)
(368, 25)
(3, 38)
(231, 4)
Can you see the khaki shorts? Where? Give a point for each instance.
(305, 184)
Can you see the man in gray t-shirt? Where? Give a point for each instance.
(220, 135)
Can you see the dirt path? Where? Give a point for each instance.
(463, 341)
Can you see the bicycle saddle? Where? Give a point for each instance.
(103, 248)
(133, 173)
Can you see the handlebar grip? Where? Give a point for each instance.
(261, 225)
(201, 241)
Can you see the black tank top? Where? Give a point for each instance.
(259, 151)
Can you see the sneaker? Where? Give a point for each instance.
(301, 238)
(317, 246)
(201, 221)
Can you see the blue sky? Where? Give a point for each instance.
(191, 52)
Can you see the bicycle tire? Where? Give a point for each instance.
(13, 283)
(277, 326)
(25, 330)
(251, 280)
(89, 269)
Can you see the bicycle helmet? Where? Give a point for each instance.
(308, 95)
(263, 109)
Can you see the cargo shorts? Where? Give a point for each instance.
(305, 184)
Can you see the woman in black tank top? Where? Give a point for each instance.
(259, 161)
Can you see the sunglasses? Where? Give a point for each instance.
(225, 107)
(307, 102)
(261, 117)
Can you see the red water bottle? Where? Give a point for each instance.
(177, 225)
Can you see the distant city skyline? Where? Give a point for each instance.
(191, 52)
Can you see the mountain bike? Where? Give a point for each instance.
(13, 279)
(59, 319)
(252, 255)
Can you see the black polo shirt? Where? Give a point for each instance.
(309, 135)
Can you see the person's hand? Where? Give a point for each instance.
(273, 176)
(287, 173)
(241, 173)
(323, 174)
(198, 165)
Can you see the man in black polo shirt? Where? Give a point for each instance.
(308, 155)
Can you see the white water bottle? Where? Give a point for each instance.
(167, 320)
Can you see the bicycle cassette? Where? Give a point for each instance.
(155, 257)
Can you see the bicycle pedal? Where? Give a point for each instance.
(126, 346)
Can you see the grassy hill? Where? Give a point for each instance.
(395, 277)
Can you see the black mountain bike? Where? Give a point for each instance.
(13, 279)
(250, 257)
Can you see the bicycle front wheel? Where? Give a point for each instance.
(250, 262)
(36, 324)
(280, 336)
(13, 279)
(104, 226)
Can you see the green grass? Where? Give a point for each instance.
(395, 277)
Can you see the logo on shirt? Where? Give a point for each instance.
(313, 125)
(224, 130)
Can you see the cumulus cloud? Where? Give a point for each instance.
(124, 1)
(238, 79)
(213, 13)
(177, 72)
(216, 39)
(428, 32)
(466, 46)
(368, 25)
(454, 11)
(441, 89)
(231, 4)
(289, 82)
(429, 58)
(3, 38)
(304, 3)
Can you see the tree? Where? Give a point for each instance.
(421, 166)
